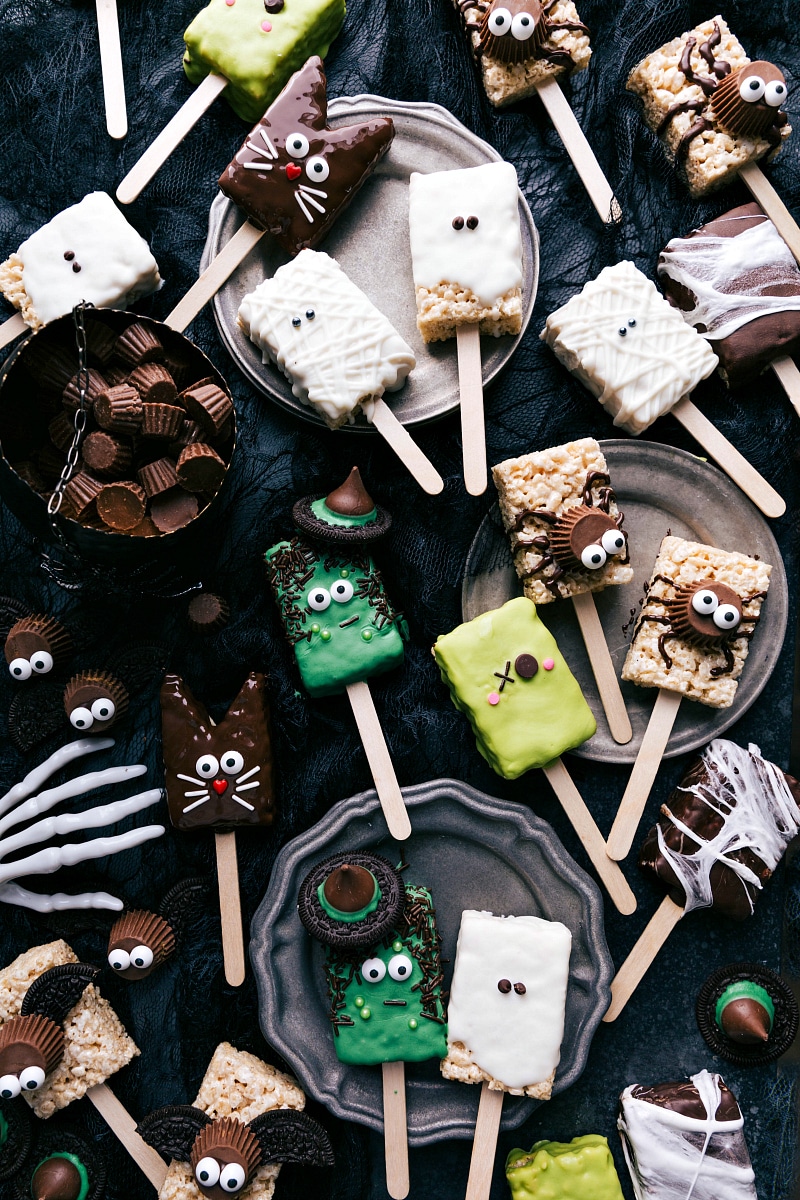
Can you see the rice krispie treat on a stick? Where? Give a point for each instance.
(566, 535)
(691, 639)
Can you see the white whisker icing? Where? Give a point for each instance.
(245, 787)
(247, 774)
(196, 804)
(191, 779)
(314, 203)
(257, 166)
(303, 208)
(243, 803)
(202, 792)
(304, 187)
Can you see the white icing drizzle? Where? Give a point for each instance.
(346, 354)
(667, 1152)
(729, 277)
(639, 376)
(116, 264)
(487, 259)
(515, 1038)
(758, 811)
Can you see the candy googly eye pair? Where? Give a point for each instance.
(320, 598)
(521, 27)
(29, 1080)
(316, 168)
(208, 765)
(140, 958)
(706, 603)
(231, 1177)
(611, 544)
(83, 718)
(399, 967)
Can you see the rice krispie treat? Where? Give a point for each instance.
(466, 250)
(628, 346)
(562, 517)
(507, 1003)
(702, 608)
(520, 43)
(95, 1044)
(715, 109)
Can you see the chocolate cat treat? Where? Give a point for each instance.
(582, 1169)
(294, 174)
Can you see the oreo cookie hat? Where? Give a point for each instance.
(347, 515)
(747, 1014)
(351, 900)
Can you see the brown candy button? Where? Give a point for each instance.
(119, 409)
(157, 477)
(71, 396)
(526, 666)
(208, 405)
(154, 384)
(161, 420)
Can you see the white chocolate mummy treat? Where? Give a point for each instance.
(466, 250)
(333, 345)
(87, 252)
(507, 1002)
(629, 346)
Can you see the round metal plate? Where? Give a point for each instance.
(370, 241)
(475, 852)
(661, 490)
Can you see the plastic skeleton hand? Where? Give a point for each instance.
(24, 801)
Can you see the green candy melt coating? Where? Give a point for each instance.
(231, 40)
(77, 1164)
(323, 513)
(532, 721)
(745, 989)
(348, 918)
(582, 1169)
(367, 1030)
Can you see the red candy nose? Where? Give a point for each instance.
(220, 786)
(292, 171)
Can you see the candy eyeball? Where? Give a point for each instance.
(20, 668)
(342, 591)
(207, 1172)
(231, 762)
(81, 718)
(752, 89)
(373, 970)
(141, 957)
(613, 541)
(319, 599)
(400, 967)
(499, 22)
(775, 93)
(522, 27)
(207, 766)
(317, 169)
(232, 1177)
(104, 709)
(41, 662)
(297, 145)
(31, 1079)
(119, 960)
(9, 1087)
(593, 557)
(727, 616)
(705, 602)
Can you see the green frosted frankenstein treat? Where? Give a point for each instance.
(582, 1169)
(506, 673)
(335, 611)
(257, 45)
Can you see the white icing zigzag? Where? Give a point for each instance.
(758, 811)
(637, 375)
(729, 277)
(667, 1153)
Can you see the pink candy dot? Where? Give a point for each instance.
(493, 698)
(230, 3)
(266, 26)
(548, 664)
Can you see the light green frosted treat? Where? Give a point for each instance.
(257, 46)
(582, 1169)
(506, 673)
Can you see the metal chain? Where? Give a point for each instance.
(79, 419)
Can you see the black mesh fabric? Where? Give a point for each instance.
(54, 150)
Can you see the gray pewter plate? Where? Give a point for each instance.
(370, 240)
(660, 489)
(473, 851)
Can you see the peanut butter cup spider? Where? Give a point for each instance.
(708, 615)
(513, 31)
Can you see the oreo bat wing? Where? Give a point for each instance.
(172, 1130)
(58, 990)
(36, 714)
(183, 903)
(140, 665)
(286, 1136)
(11, 611)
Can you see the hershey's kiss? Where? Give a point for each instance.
(745, 1013)
(57, 1178)
(348, 889)
(351, 498)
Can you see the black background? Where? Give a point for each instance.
(53, 149)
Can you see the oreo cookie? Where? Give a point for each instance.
(747, 1001)
(15, 1138)
(60, 1158)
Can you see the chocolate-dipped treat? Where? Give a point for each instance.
(351, 900)
(15, 1138)
(34, 644)
(94, 700)
(294, 175)
(225, 1153)
(747, 1014)
(207, 613)
(686, 1139)
(63, 1166)
(139, 941)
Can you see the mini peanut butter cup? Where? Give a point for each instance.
(30, 1040)
(100, 341)
(154, 384)
(31, 638)
(107, 456)
(121, 505)
(361, 878)
(51, 366)
(95, 384)
(161, 421)
(29, 472)
(62, 431)
(189, 433)
(741, 1003)
(228, 1140)
(207, 612)
(208, 405)
(174, 509)
(50, 461)
(133, 934)
(138, 344)
(79, 493)
(200, 468)
(115, 375)
(157, 477)
(119, 409)
(94, 701)
(145, 528)
(348, 514)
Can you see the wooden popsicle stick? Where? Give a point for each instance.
(216, 273)
(734, 464)
(395, 1132)
(13, 328)
(470, 385)
(170, 137)
(123, 1126)
(579, 150)
(484, 1145)
(406, 449)
(230, 908)
(602, 668)
(645, 769)
(788, 376)
(380, 764)
(111, 68)
(764, 193)
(591, 838)
(638, 962)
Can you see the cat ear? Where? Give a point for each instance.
(181, 714)
(248, 712)
(311, 79)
